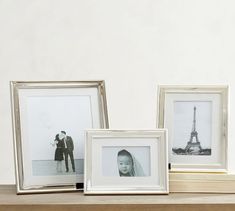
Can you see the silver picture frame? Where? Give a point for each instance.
(196, 117)
(39, 108)
(126, 162)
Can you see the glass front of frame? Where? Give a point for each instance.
(196, 120)
(52, 118)
(129, 162)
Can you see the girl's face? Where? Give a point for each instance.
(124, 164)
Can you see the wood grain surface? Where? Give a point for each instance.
(77, 201)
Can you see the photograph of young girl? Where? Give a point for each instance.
(128, 165)
(126, 161)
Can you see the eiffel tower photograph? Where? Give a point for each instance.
(195, 144)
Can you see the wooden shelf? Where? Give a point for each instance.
(77, 201)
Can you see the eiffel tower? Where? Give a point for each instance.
(194, 134)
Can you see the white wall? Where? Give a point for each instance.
(132, 44)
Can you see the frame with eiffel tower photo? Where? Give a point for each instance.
(196, 118)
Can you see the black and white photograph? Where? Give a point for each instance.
(56, 126)
(126, 161)
(192, 128)
(53, 118)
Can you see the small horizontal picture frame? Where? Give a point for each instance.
(126, 162)
(196, 119)
(49, 123)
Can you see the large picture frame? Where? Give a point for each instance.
(126, 162)
(49, 123)
(196, 118)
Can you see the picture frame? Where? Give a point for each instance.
(126, 162)
(49, 123)
(196, 117)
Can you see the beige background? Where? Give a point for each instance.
(132, 44)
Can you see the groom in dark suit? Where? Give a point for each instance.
(68, 148)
